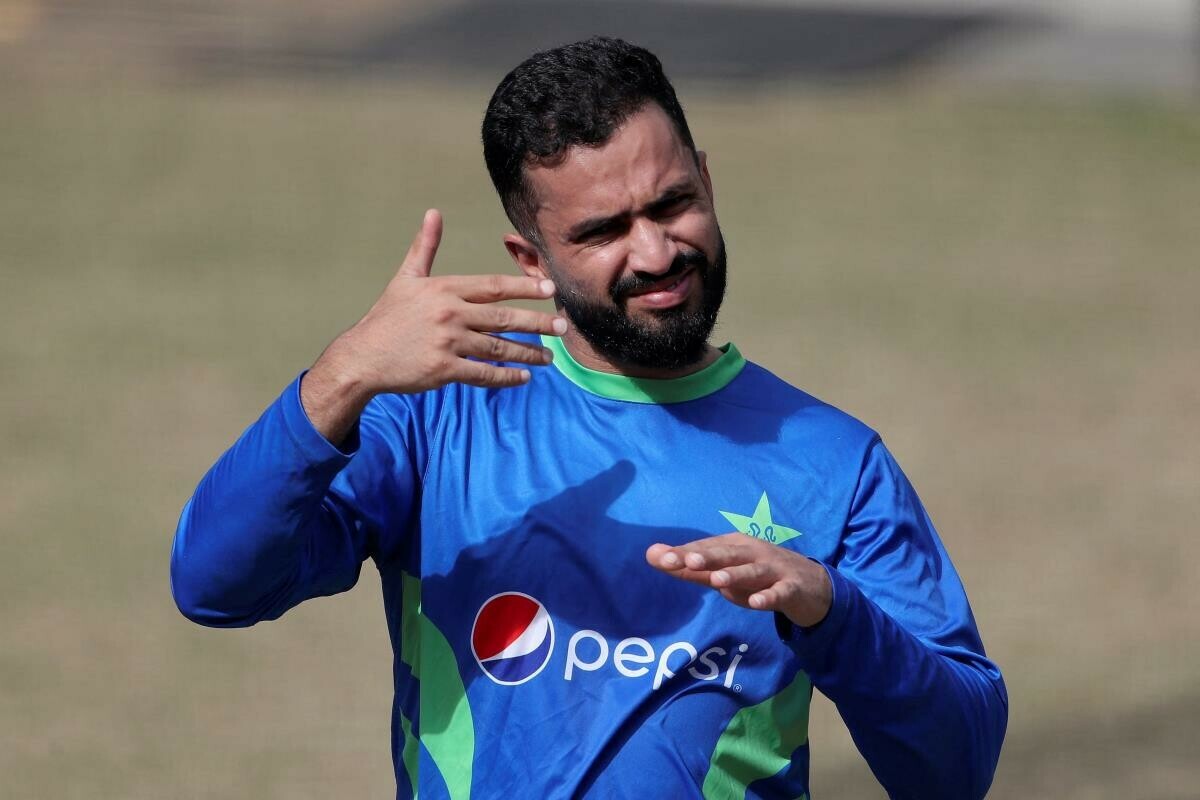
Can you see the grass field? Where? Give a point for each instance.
(1005, 286)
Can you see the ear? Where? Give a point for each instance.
(525, 255)
(702, 161)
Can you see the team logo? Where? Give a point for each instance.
(761, 525)
(512, 638)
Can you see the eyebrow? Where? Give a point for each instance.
(580, 231)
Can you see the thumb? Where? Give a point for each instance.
(419, 261)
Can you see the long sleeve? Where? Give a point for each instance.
(284, 515)
(899, 653)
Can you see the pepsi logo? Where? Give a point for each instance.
(512, 638)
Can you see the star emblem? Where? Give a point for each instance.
(760, 525)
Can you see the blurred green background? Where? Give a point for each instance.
(1003, 280)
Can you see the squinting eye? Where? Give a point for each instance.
(674, 205)
(600, 235)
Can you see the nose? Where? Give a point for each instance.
(651, 248)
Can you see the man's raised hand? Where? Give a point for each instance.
(425, 332)
(751, 573)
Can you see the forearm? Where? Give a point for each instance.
(929, 720)
(258, 520)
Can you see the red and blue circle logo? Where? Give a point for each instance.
(512, 638)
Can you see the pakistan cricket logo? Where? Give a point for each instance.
(760, 525)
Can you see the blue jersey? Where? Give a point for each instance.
(537, 654)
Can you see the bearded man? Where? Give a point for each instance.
(616, 560)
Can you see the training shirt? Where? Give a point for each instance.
(537, 654)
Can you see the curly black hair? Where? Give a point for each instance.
(577, 94)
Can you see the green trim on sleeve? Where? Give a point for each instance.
(713, 378)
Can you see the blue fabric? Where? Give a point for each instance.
(555, 493)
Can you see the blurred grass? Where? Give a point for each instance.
(1004, 285)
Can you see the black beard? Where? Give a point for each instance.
(677, 337)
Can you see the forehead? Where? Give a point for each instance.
(642, 158)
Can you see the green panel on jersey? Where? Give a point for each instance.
(410, 754)
(759, 741)
(446, 727)
(712, 378)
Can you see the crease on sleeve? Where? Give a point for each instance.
(316, 449)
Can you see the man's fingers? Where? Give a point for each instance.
(494, 288)
(739, 582)
(419, 261)
(507, 319)
(493, 348)
(744, 577)
(751, 573)
(655, 554)
(700, 578)
(768, 599)
(665, 558)
(708, 554)
(477, 373)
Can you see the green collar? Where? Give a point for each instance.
(714, 377)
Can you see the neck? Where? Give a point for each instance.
(583, 352)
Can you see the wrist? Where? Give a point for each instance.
(814, 602)
(336, 381)
(333, 397)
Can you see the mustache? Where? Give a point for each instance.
(640, 281)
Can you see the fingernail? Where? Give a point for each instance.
(547, 355)
(720, 578)
(547, 287)
(525, 376)
(694, 560)
(670, 560)
(559, 326)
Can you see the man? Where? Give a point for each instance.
(551, 511)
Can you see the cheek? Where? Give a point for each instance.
(699, 230)
(595, 269)
(606, 263)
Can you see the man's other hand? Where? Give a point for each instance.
(425, 332)
(751, 573)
